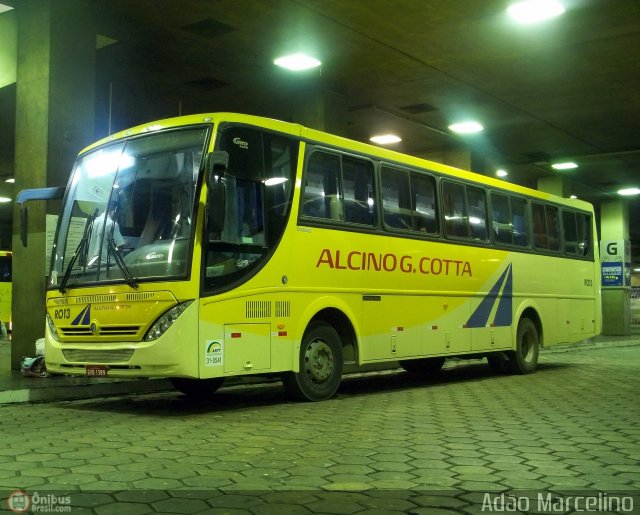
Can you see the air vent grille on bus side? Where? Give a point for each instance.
(258, 309)
(89, 299)
(283, 309)
(140, 296)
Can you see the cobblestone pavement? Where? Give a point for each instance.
(387, 443)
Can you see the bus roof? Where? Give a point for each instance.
(316, 136)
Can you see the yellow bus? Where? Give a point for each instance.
(5, 291)
(210, 246)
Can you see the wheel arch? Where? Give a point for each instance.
(532, 313)
(340, 316)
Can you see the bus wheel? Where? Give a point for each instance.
(422, 366)
(525, 358)
(320, 365)
(200, 389)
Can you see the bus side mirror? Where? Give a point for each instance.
(24, 224)
(216, 164)
(216, 207)
(52, 193)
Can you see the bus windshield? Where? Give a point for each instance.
(129, 211)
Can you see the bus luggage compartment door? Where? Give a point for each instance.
(247, 348)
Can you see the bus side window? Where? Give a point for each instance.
(577, 233)
(501, 219)
(553, 227)
(477, 210)
(570, 232)
(322, 196)
(584, 234)
(539, 226)
(519, 222)
(280, 168)
(424, 208)
(455, 213)
(396, 201)
(357, 185)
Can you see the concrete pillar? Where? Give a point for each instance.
(555, 185)
(456, 157)
(614, 248)
(54, 120)
(322, 110)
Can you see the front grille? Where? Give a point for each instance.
(75, 331)
(120, 330)
(109, 330)
(98, 356)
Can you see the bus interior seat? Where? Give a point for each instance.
(358, 212)
(397, 220)
(158, 216)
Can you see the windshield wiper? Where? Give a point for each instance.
(112, 248)
(67, 272)
(82, 247)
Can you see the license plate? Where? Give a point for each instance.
(96, 371)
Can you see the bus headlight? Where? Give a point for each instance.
(164, 322)
(52, 329)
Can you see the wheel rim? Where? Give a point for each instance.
(527, 345)
(318, 360)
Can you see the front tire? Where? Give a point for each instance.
(320, 365)
(200, 389)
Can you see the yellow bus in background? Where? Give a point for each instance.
(5, 291)
(209, 246)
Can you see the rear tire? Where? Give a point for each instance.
(423, 366)
(524, 359)
(200, 389)
(320, 365)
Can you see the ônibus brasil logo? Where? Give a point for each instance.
(19, 501)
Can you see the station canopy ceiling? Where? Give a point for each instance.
(564, 89)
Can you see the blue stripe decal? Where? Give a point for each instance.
(87, 315)
(504, 314)
(480, 316)
(84, 315)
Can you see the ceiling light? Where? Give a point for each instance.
(502, 173)
(573, 197)
(297, 62)
(532, 11)
(11, 180)
(636, 269)
(4, 8)
(4, 200)
(569, 165)
(469, 127)
(385, 139)
(627, 192)
(272, 181)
